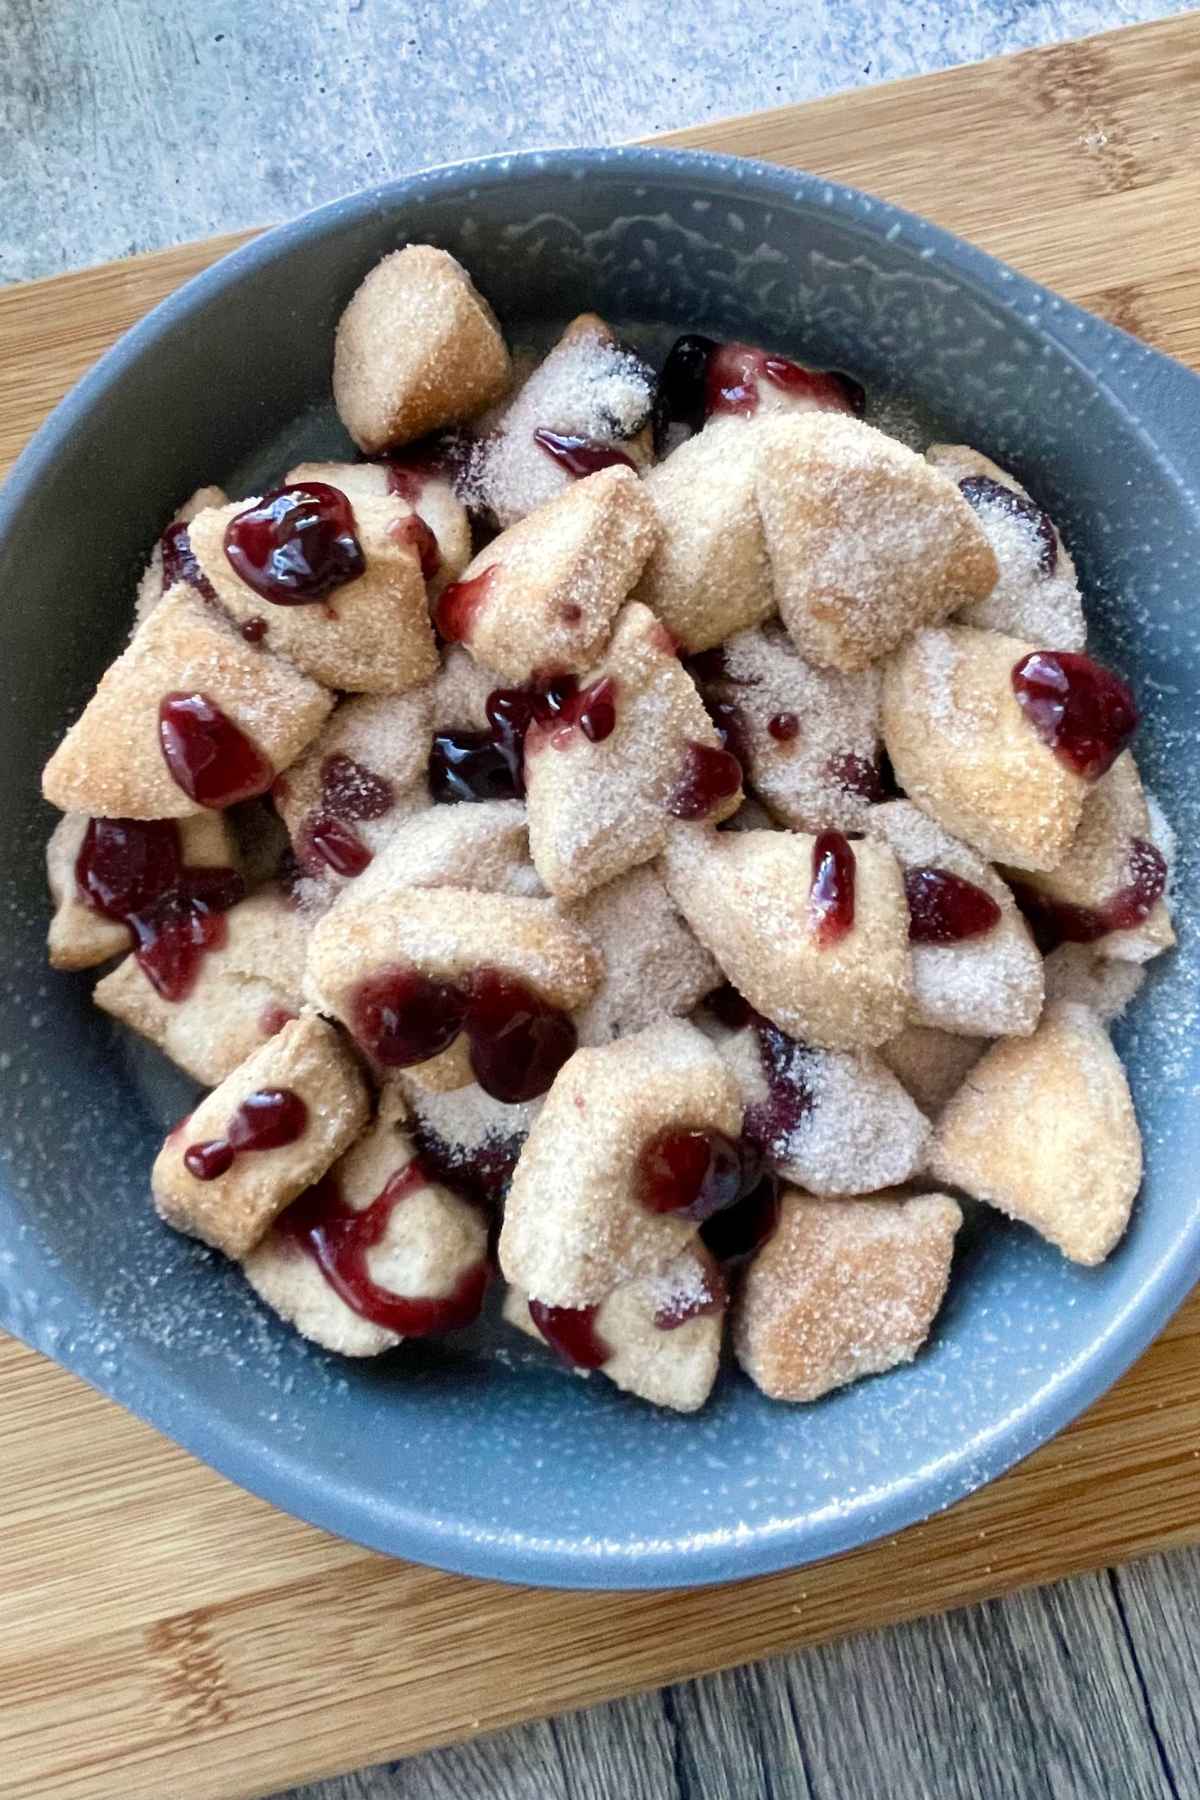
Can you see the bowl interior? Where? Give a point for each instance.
(483, 1455)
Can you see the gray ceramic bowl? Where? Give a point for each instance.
(485, 1457)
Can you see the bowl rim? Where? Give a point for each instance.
(144, 1386)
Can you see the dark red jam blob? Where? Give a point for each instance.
(944, 908)
(210, 1160)
(680, 1308)
(1059, 922)
(871, 781)
(709, 777)
(266, 1120)
(297, 545)
(132, 871)
(208, 756)
(353, 791)
(738, 1233)
(691, 1174)
(458, 605)
(324, 838)
(580, 456)
(338, 1239)
(571, 1330)
(518, 1041)
(981, 490)
(783, 727)
(831, 896)
(413, 530)
(179, 561)
(1086, 714)
(402, 1017)
(254, 630)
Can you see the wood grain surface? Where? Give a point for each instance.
(161, 1633)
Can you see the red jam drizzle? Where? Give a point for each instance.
(349, 791)
(981, 490)
(690, 1174)
(831, 896)
(735, 371)
(180, 563)
(254, 630)
(783, 727)
(132, 871)
(517, 1042)
(266, 1120)
(297, 545)
(1059, 922)
(458, 605)
(338, 1239)
(944, 908)
(1086, 714)
(709, 777)
(208, 756)
(580, 456)
(871, 781)
(571, 1330)
(413, 530)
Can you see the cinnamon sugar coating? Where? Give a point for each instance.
(416, 348)
(673, 1367)
(597, 809)
(1044, 1129)
(244, 990)
(308, 1058)
(371, 635)
(964, 751)
(866, 541)
(707, 576)
(110, 763)
(574, 1227)
(431, 1240)
(746, 895)
(845, 1288)
(558, 578)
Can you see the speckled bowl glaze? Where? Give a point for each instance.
(484, 1456)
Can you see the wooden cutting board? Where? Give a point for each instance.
(163, 1634)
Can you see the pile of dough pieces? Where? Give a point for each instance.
(787, 559)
